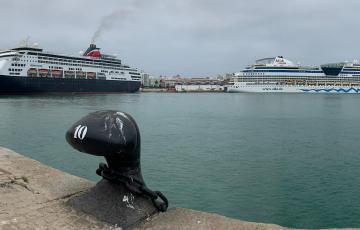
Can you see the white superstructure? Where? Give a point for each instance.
(33, 61)
(281, 75)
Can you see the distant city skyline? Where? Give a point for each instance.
(190, 38)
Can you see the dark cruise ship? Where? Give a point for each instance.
(28, 69)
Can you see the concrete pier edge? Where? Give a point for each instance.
(35, 196)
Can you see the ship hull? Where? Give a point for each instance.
(293, 89)
(29, 85)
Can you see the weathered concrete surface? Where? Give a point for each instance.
(179, 218)
(34, 196)
(114, 204)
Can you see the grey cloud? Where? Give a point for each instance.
(195, 38)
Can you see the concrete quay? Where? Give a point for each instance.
(35, 196)
(156, 90)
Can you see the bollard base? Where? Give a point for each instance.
(114, 204)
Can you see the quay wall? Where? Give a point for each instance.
(35, 196)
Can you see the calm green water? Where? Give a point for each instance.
(289, 159)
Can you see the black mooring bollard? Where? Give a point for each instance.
(115, 135)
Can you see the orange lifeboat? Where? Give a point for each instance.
(56, 73)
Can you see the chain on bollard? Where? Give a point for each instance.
(135, 186)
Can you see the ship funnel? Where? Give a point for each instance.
(93, 51)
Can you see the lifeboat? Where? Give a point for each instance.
(80, 74)
(91, 75)
(300, 82)
(56, 73)
(43, 72)
(32, 72)
(69, 74)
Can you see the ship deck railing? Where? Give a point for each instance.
(297, 78)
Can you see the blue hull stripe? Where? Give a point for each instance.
(340, 90)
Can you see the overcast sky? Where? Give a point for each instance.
(189, 37)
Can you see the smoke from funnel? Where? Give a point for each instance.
(107, 23)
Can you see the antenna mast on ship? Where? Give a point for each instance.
(25, 42)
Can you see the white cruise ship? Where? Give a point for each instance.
(28, 69)
(281, 75)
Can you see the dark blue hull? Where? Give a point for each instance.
(28, 85)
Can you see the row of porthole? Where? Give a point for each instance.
(16, 70)
(16, 64)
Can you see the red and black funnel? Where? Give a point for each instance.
(93, 51)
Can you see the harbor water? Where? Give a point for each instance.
(287, 159)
